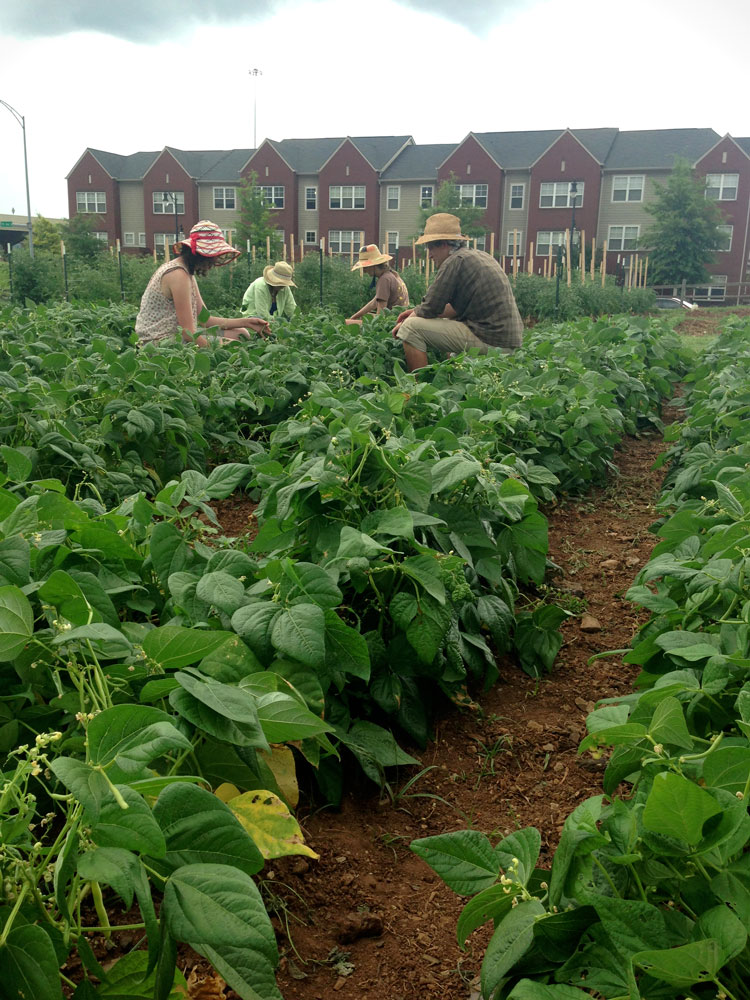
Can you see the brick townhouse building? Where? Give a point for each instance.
(350, 190)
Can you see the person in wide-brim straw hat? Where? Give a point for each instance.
(390, 290)
(270, 296)
(469, 304)
(172, 303)
(442, 226)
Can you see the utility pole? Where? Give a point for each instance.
(255, 73)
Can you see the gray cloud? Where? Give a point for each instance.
(148, 22)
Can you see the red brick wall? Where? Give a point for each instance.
(99, 180)
(472, 165)
(271, 169)
(580, 165)
(348, 166)
(735, 212)
(165, 166)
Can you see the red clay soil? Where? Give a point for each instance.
(369, 919)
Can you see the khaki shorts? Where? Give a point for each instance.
(449, 335)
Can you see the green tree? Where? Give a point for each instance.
(448, 199)
(78, 234)
(683, 236)
(257, 221)
(47, 235)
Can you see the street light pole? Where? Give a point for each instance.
(22, 122)
(255, 73)
(574, 196)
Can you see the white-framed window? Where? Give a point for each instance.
(311, 199)
(164, 202)
(128, 239)
(628, 187)
(623, 237)
(393, 197)
(92, 202)
(311, 236)
(547, 242)
(141, 239)
(725, 235)
(715, 292)
(518, 239)
(272, 195)
(279, 236)
(100, 235)
(722, 187)
(346, 196)
(517, 193)
(161, 238)
(391, 241)
(344, 240)
(426, 195)
(479, 242)
(473, 194)
(225, 198)
(558, 194)
(227, 234)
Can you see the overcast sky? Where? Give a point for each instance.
(140, 75)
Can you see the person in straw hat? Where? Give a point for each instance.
(390, 290)
(171, 303)
(270, 296)
(469, 304)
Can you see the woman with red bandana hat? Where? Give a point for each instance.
(172, 302)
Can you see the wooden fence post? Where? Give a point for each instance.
(582, 259)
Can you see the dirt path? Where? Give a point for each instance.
(514, 766)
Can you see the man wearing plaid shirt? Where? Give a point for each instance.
(470, 303)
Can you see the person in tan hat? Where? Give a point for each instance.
(469, 304)
(172, 303)
(390, 290)
(270, 296)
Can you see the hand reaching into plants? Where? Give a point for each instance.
(261, 326)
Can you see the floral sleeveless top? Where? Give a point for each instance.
(157, 317)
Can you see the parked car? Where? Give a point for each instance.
(667, 302)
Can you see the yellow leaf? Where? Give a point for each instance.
(226, 791)
(268, 821)
(281, 763)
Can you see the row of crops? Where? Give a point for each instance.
(649, 891)
(165, 689)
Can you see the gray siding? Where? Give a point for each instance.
(131, 209)
(223, 217)
(627, 213)
(404, 221)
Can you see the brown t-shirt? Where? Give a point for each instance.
(392, 290)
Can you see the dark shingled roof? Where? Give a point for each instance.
(598, 141)
(418, 163)
(306, 156)
(657, 149)
(744, 144)
(124, 168)
(228, 167)
(196, 162)
(517, 150)
(379, 150)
